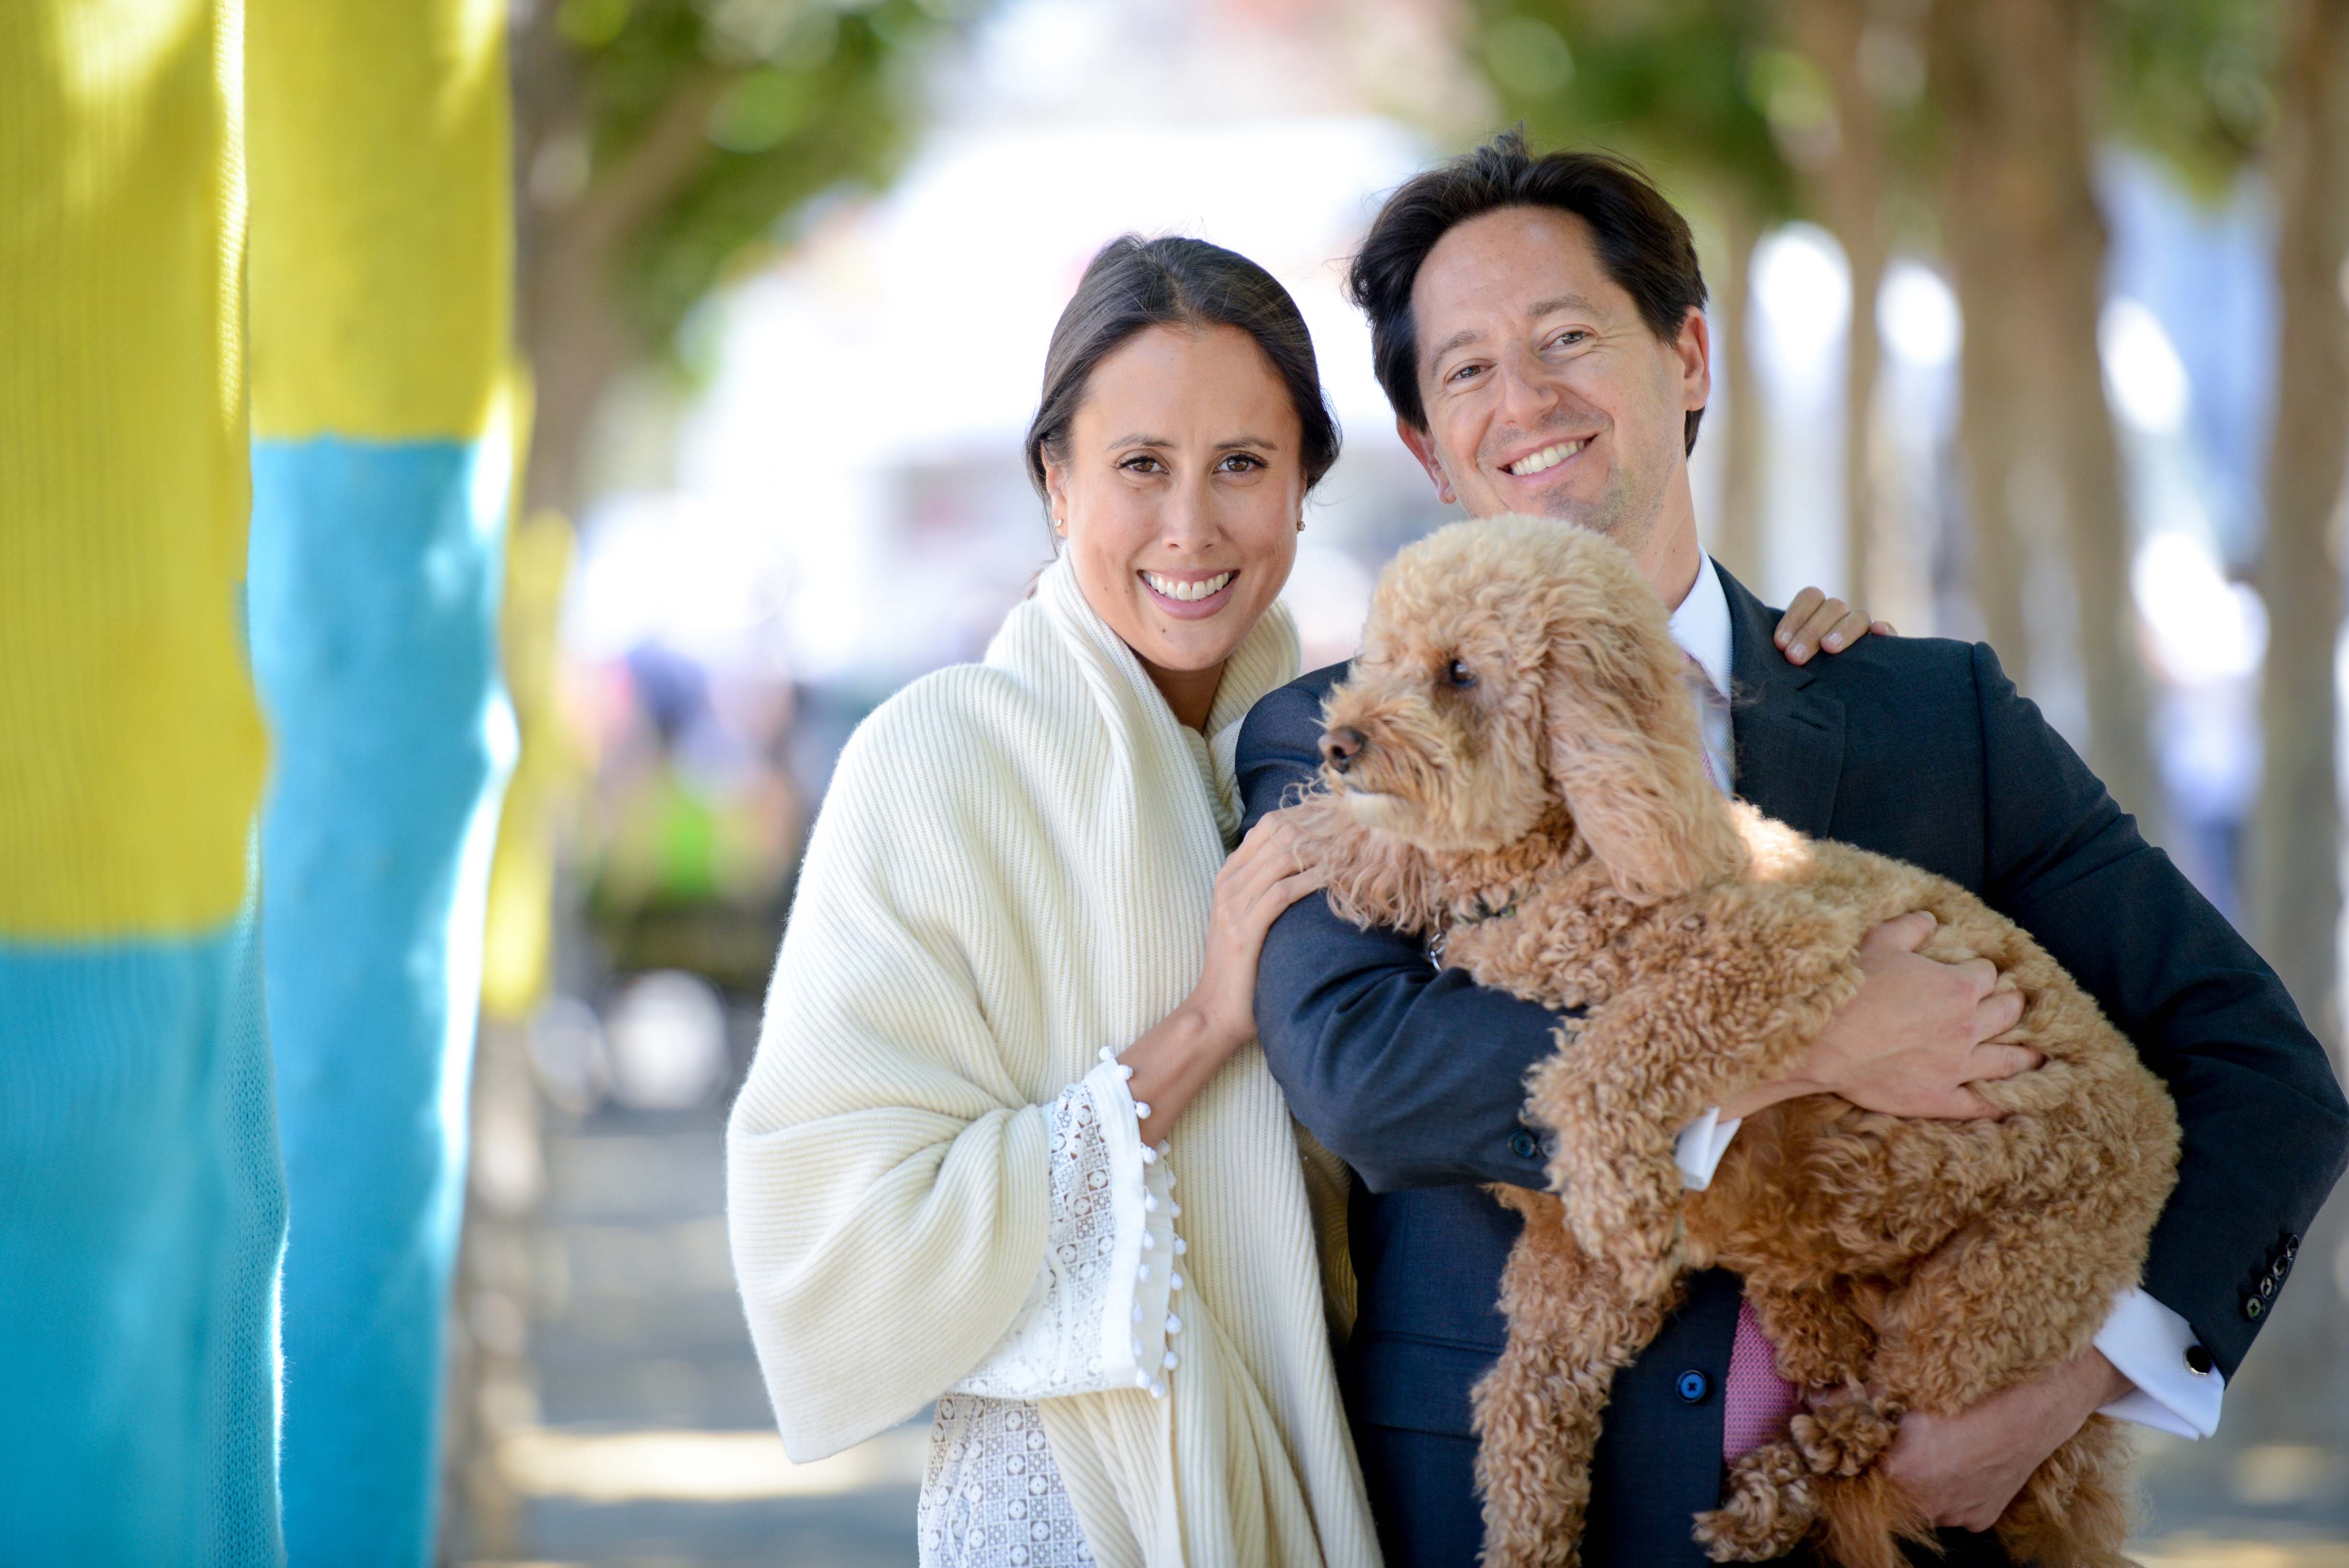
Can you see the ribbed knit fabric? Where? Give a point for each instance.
(141, 1207)
(382, 287)
(374, 580)
(130, 746)
(1013, 869)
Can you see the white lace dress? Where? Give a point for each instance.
(1101, 1314)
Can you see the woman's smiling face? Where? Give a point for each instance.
(1179, 497)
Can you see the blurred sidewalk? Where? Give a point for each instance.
(654, 1445)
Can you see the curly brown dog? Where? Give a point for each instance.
(1514, 769)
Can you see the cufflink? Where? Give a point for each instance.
(2198, 1360)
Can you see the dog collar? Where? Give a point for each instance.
(1483, 912)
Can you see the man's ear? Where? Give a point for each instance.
(1693, 348)
(1423, 447)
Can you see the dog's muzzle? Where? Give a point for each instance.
(1340, 747)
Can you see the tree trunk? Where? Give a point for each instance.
(1847, 188)
(2026, 243)
(572, 222)
(1975, 166)
(1738, 542)
(2296, 870)
(570, 337)
(2087, 460)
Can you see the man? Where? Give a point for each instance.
(1537, 325)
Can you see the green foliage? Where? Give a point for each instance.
(1710, 91)
(795, 99)
(2192, 81)
(1688, 87)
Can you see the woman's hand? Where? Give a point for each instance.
(1918, 1032)
(1174, 1062)
(1259, 881)
(1816, 621)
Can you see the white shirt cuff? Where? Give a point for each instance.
(2147, 1343)
(1697, 1149)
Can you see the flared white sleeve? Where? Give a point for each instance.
(1098, 1314)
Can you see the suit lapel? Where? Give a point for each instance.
(1788, 733)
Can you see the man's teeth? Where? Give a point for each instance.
(1548, 457)
(1206, 587)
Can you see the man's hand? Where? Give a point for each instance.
(1964, 1470)
(1916, 1034)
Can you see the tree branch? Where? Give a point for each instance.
(671, 150)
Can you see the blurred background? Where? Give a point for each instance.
(2030, 326)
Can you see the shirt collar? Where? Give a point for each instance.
(1701, 625)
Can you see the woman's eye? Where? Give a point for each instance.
(1241, 462)
(1459, 674)
(1140, 463)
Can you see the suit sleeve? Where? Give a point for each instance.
(2266, 1130)
(1414, 1076)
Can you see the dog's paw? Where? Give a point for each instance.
(1845, 1439)
(1768, 1506)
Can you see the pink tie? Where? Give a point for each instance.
(1704, 694)
(1757, 1403)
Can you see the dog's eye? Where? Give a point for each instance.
(1459, 674)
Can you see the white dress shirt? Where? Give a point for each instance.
(2143, 1338)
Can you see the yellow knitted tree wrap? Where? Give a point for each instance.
(131, 747)
(381, 286)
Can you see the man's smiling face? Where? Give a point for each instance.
(1545, 390)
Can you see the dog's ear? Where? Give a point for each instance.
(1622, 740)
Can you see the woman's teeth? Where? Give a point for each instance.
(1174, 588)
(1548, 457)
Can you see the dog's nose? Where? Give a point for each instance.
(1340, 747)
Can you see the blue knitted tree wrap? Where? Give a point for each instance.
(141, 1212)
(375, 573)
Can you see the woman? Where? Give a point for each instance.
(992, 1047)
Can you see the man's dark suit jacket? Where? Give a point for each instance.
(1916, 748)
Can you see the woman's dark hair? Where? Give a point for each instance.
(1643, 243)
(1135, 285)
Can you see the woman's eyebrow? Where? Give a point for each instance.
(1138, 439)
(1259, 442)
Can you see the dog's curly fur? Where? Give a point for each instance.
(1530, 788)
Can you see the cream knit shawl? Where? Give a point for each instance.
(1012, 869)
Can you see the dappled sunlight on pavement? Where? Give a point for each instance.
(651, 1444)
(699, 1466)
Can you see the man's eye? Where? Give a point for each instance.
(1459, 674)
(1572, 335)
(1464, 371)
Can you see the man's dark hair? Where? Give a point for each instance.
(1643, 243)
(1135, 283)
